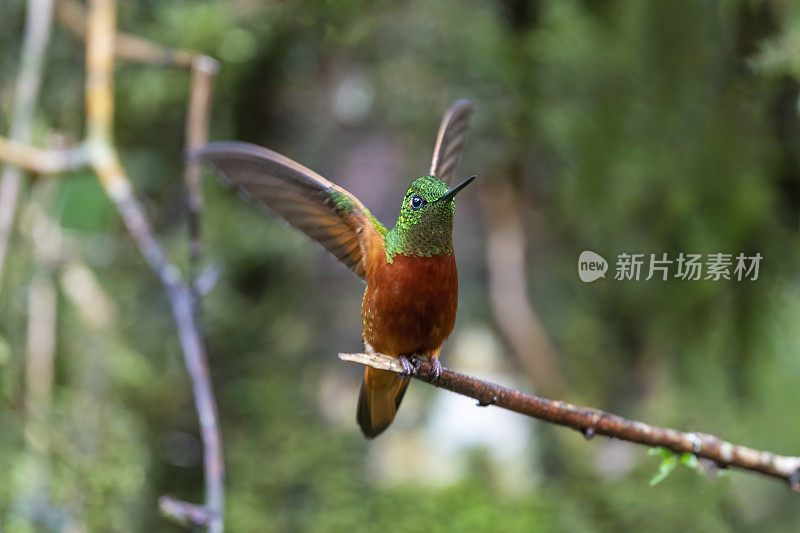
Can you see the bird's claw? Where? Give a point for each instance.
(411, 364)
(408, 367)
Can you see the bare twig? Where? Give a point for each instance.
(198, 117)
(105, 161)
(72, 15)
(595, 422)
(37, 33)
(102, 43)
(41, 161)
(187, 514)
(508, 293)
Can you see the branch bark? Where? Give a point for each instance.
(592, 422)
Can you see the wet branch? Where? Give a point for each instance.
(592, 422)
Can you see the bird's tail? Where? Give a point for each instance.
(380, 396)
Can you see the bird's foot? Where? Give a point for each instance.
(408, 366)
(436, 369)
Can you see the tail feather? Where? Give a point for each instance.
(380, 397)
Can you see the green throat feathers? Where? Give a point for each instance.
(425, 225)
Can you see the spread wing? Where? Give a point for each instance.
(322, 210)
(453, 134)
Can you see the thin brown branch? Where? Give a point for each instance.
(105, 161)
(41, 161)
(72, 15)
(595, 422)
(198, 118)
(38, 19)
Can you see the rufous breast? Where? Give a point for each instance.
(410, 303)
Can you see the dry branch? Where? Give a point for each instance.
(188, 514)
(103, 43)
(100, 36)
(72, 15)
(38, 17)
(198, 118)
(595, 422)
(41, 161)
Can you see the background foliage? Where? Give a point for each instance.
(625, 126)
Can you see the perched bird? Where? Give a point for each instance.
(409, 305)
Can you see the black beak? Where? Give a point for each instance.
(449, 195)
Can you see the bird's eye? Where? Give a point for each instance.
(416, 201)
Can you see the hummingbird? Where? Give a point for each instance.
(409, 304)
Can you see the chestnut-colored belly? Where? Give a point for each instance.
(409, 305)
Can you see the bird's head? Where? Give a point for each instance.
(425, 224)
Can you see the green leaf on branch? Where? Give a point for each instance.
(669, 460)
(690, 460)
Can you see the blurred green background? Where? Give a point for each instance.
(620, 126)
